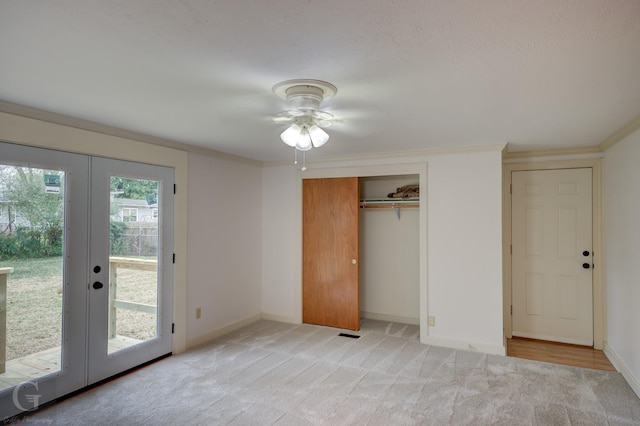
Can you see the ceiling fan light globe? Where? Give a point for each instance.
(304, 141)
(318, 136)
(291, 136)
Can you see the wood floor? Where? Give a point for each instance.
(45, 362)
(559, 353)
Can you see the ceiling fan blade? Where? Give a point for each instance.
(282, 119)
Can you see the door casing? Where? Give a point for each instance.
(419, 169)
(76, 371)
(595, 164)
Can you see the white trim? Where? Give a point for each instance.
(41, 133)
(92, 126)
(417, 168)
(389, 318)
(553, 158)
(386, 156)
(465, 345)
(599, 313)
(619, 364)
(280, 318)
(221, 331)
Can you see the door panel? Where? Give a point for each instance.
(131, 272)
(330, 252)
(552, 227)
(43, 214)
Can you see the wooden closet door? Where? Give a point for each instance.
(330, 286)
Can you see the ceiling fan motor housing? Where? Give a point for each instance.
(304, 94)
(306, 98)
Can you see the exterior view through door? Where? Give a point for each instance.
(85, 271)
(552, 256)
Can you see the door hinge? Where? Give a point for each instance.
(174, 188)
(511, 309)
(510, 248)
(174, 258)
(510, 188)
(173, 328)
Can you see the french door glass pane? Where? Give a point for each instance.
(133, 262)
(31, 272)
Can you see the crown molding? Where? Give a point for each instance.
(569, 152)
(396, 155)
(621, 133)
(92, 126)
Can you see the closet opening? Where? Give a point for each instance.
(389, 245)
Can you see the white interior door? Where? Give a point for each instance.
(552, 258)
(131, 267)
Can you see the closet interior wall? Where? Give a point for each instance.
(389, 254)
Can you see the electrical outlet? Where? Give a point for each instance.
(198, 313)
(431, 321)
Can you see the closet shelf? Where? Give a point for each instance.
(392, 203)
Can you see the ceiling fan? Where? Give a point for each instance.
(307, 120)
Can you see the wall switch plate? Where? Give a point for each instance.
(431, 321)
(198, 313)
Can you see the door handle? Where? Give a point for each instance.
(98, 285)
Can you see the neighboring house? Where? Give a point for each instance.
(129, 210)
(10, 217)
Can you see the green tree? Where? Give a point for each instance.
(41, 212)
(135, 189)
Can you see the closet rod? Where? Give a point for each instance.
(397, 203)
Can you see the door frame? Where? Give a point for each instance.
(595, 164)
(419, 169)
(31, 127)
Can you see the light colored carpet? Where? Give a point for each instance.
(271, 373)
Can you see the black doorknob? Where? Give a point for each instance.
(586, 253)
(98, 285)
(586, 265)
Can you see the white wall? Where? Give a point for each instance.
(622, 256)
(465, 250)
(280, 298)
(224, 235)
(461, 256)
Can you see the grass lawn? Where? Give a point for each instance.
(34, 305)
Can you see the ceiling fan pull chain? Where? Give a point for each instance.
(295, 156)
(304, 161)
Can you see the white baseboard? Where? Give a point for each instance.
(280, 318)
(389, 318)
(464, 345)
(436, 341)
(622, 367)
(207, 337)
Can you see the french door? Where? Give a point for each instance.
(86, 249)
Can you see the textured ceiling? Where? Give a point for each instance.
(411, 74)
